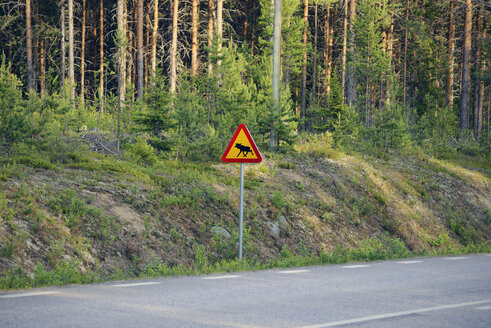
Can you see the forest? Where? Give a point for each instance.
(174, 78)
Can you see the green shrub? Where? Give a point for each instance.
(141, 152)
(317, 146)
(35, 162)
(279, 200)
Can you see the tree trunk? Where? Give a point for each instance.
(71, 51)
(404, 73)
(219, 28)
(273, 141)
(30, 70)
(253, 27)
(451, 57)
(43, 69)
(101, 57)
(129, 64)
(303, 113)
(314, 71)
(344, 48)
(154, 35)
(173, 51)
(479, 68)
(194, 37)
(483, 67)
(147, 47)
(62, 45)
(350, 80)
(140, 47)
(121, 60)
(82, 57)
(210, 32)
(246, 20)
(464, 96)
(327, 50)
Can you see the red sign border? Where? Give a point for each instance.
(251, 141)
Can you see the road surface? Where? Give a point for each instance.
(422, 292)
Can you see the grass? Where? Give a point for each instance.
(344, 193)
(371, 249)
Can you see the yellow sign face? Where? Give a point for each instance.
(242, 148)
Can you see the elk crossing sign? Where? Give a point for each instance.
(242, 148)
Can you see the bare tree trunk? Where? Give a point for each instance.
(129, 64)
(314, 72)
(63, 45)
(273, 141)
(303, 112)
(121, 60)
(43, 69)
(464, 96)
(219, 28)
(194, 37)
(327, 50)
(246, 20)
(404, 74)
(101, 61)
(30, 70)
(71, 50)
(253, 27)
(479, 68)
(173, 51)
(210, 32)
(451, 57)
(154, 35)
(82, 57)
(483, 68)
(390, 54)
(350, 81)
(345, 47)
(140, 47)
(147, 47)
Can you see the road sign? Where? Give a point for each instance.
(242, 148)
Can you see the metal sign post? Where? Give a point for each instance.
(241, 211)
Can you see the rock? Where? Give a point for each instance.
(221, 231)
(283, 223)
(275, 230)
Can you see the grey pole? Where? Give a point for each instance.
(241, 215)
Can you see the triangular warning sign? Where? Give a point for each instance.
(242, 148)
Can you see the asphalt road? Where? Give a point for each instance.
(423, 292)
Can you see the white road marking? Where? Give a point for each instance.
(221, 277)
(137, 284)
(356, 266)
(409, 262)
(294, 271)
(484, 308)
(393, 315)
(456, 258)
(28, 294)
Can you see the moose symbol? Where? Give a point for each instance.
(243, 149)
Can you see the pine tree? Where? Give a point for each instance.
(372, 64)
(13, 122)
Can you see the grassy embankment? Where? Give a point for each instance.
(80, 217)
